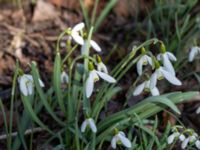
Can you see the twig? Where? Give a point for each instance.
(27, 132)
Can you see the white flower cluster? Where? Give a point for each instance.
(93, 76)
(118, 138)
(186, 137)
(166, 71)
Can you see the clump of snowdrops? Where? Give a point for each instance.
(81, 88)
(187, 137)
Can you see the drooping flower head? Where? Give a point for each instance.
(26, 84)
(100, 65)
(81, 39)
(120, 138)
(64, 77)
(160, 73)
(172, 137)
(166, 57)
(144, 60)
(75, 33)
(191, 139)
(89, 122)
(94, 77)
(145, 86)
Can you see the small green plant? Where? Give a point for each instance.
(74, 101)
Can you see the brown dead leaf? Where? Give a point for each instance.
(168, 118)
(44, 11)
(71, 4)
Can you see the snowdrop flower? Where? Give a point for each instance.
(161, 73)
(191, 139)
(193, 52)
(74, 32)
(64, 77)
(167, 57)
(171, 138)
(197, 143)
(92, 43)
(100, 65)
(144, 60)
(89, 122)
(93, 77)
(120, 138)
(26, 84)
(146, 87)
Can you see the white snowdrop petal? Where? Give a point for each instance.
(95, 45)
(77, 38)
(168, 65)
(170, 139)
(29, 86)
(29, 77)
(41, 82)
(84, 125)
(106, 77)
(125, 141)
(198, 110)
(78, 27)
(153, 80)
(155, 91)
(22, 86)
(26, 84)
(89, 85)
(139, 66)
(182, 137)
(64, 77)
(149, 60)
(193, 52)
(172, 79)
(102, 67)
(121, 133)
(171, 56)
(185, 143)
(197, 143)
(159, 56)
(192, 138)
(114, 142)
(92, 125)
(138, 90)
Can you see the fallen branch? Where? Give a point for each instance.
(27, 132)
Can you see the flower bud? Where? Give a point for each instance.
(90, 66)
(162, 48)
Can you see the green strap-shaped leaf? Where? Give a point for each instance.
(33, 115)
(42, 95)
(167, 102)
(57, 81)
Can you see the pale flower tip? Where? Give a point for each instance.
(197, 143)
(198, 110)
(182, 137)
(95, 46)
(185, 143)
(92, 125)
(78, 27)
(170, 139)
